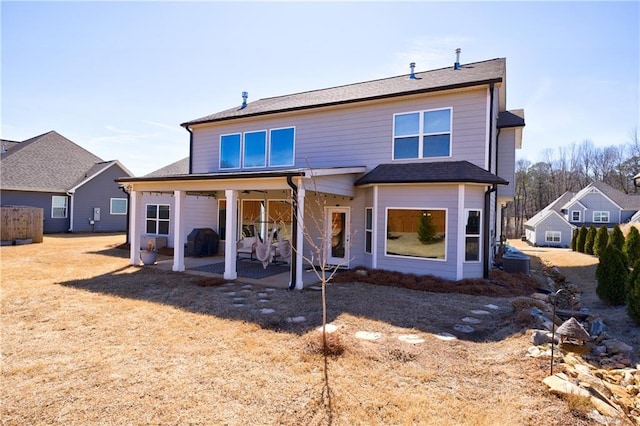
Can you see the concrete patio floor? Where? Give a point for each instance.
(165, 263)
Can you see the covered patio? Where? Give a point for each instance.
(291, 185)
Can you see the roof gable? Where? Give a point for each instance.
(543, 215)
(49, 162)
(180, 167)
(512, 118)
(433, 172)
(555, 206)
(619, 198)
(473, 74)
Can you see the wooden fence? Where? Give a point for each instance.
(19, 223)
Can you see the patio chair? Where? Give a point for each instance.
(265, 250)
(246, 245)
(283, 250)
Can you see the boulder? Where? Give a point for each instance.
(559, 384)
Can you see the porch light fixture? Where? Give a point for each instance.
(636, 180)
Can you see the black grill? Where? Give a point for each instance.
(202, 242)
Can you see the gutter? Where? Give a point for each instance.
(128, 212)
(487, 201)
(294, 232)
(190, 148)
(70, 194)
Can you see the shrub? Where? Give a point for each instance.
(633, 293)
(426, 228)
(574, 238)
(617, 238)
(590, 240)
(612, 276)
(602, 239)
(582, 238)
(631, 247)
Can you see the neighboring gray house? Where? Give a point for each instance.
(76, 189)
(549, 227)
(597, 204)
(373, 160)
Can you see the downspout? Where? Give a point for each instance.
(70, 195)
(190, 149)
(128, 212)
(294, 231)
(487, 219)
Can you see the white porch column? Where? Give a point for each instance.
(178, 230)
(460, 252)
(135, 200)
(230, 248)
(376, 230)
(300, 236)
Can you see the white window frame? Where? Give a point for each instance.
(601, 213)
(239, 152)
(573, 212)
(126, 206)
(243, 149)
(420, 259)
(270, 150)
(420, 135)
(553, 236)
(478, 235)
(157, 219)
(54, 206)
(368, 231)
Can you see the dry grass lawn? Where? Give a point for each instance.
(88, 339)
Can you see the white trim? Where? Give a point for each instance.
(231, 225)
(293, 154)
(593, 217)
(547, 233)
(126, 206)
(571, 219)
(66, 206)
(178, 231)
(134, 236)
(460, 252)
(329, 259)
(446, 233)
(421, 133)
(244, 151)
(299, 284)
(239, 152)
(368, 230)
(480, 236)
(112, 163)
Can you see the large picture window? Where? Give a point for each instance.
(281, 147)
(422, 134)
(58, 207)
(416, 233)
(157, 219)
(118, 206)
(602, 217)
(472, 236)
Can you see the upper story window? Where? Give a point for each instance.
(422, 134)
(251, 149)
(601, 217)
(58, 207)
(575, 216)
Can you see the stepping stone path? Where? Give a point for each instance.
(247, 286)
(238, 299)
(329, 328)
(411, 338)
(262, 294)
(267, 311)
(471, 320)
(494, 307)
(230, 293)
(480, 312)
(445, 336)
(368, 335)
(238, 305)
(296, 319)
(263, 301)
(464, 328)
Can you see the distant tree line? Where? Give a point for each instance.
(570, 168)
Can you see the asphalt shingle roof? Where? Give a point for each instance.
(180, 167)
(468, 75)
(436, 172)
(512, 118)
(626, 201)
(49, 163)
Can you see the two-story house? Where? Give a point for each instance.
(596, 204)
(405, 173)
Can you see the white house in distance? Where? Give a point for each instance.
(382, 156)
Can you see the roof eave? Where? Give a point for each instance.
(349, 101)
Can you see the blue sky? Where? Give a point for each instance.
(118, 78)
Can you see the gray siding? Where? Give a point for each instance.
(507, 164)
(98, 192)
(38, 199)
(552, 223)
(355, 135)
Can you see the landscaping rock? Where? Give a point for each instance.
(560, 384)
(540, 337)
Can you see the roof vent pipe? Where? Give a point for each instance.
(245, 95)
(412, 65)
(456, 66)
